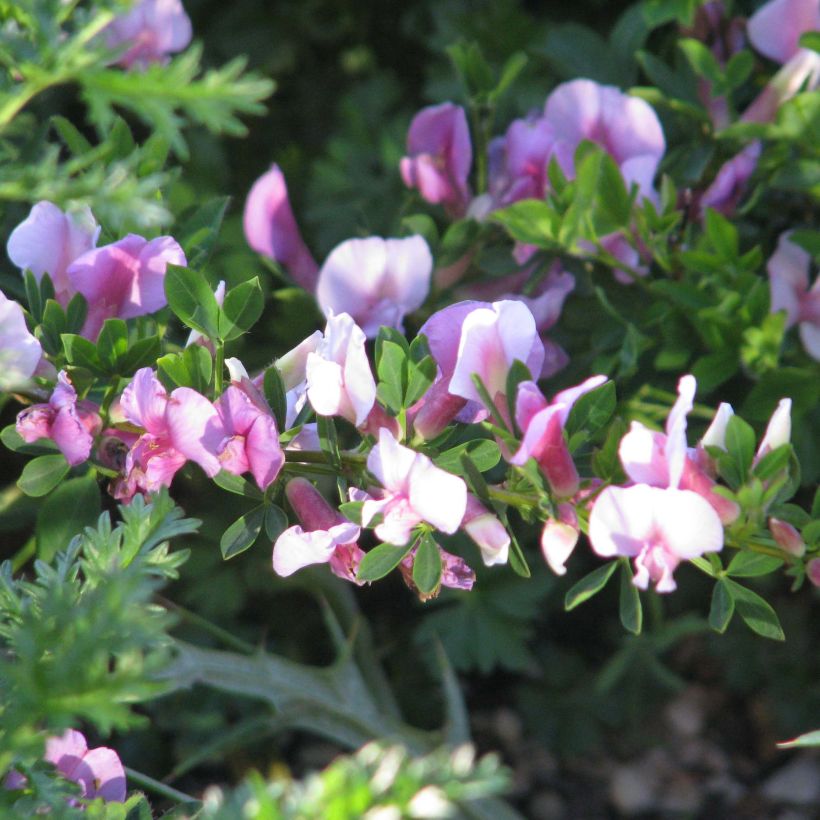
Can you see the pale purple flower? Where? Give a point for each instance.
(542, 423)
(124, 279)
(559, 537)
(20, 352)
(455, 573)
(491, 339)
(626, 127)
(71, 424)
(440, 156)
(271, 229)
(99, 771)
(376, 281)
(656, 527)
(339, 379)
(415, 490)
(487, 531)
(729, 185)
(327, 536)
(775, 28)
(507, 331)
(48, 241)
(789, 286)
(150, 31)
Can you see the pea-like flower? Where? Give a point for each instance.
(150, 31)
(20, 352)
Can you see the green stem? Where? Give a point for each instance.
(108, 398)
(319, 457)
(155, 786)
(219, 366)
(205, 625)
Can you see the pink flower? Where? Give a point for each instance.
(20, 352)
(657, 527)
(124, 279)
(339, 379)
(98, 771)
(376, 281)
(559, 537)
(543, 423)
(789, 286)
(328, 537)
(487, 531)
(72, 425)
(48, 241)
(729, 185)
(440, 156)
(271, 228)
(787, 537)
(151, 30)
(665, 461)
(415, 490)
(626, 127)
(813, 571)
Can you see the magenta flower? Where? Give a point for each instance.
(327, 538)
(415, 490)
(20, 352)
(124, 279)
(626, 127)
(657, 527)
(518, 161)
(789, 286)
(339, 379)
(729, 185)
(487, 531)
(376, 281)
(48, 241)
(542, 423)
(440, 156)
(271, 229)
(70, 424)
(150, 31)
(99, 771)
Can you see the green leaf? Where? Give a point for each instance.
(592, 410)
(198, 229)
(54, 324)
(352, 511)
(74, 505)
(190, 297)
(191, 368)
(142, 353)
(515, 64)
(807, 739)
(810, 39)
(722, 608)
(41, 475)
(629, 601)
(427, 565)
(518, 561)
(774, 462)
(82, 353)
(531, 221)
(237, 485)
(76, 312)
(752, 564)
(33, 297)
(392, 372)
(381, 560)
(274, 389)
(420, 376)
(740, 444)
(328, 440)
(756, 612)
(658, 12)
(71, 136)
(241, 309)
(14, 441)
(112, 343)
(242, 534)
(589, 585)
(276, 522)
(483, 453)
(703, 62)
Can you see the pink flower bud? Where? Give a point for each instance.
(787, 537)
(559, 537)
(487, 531)
(813, 571)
